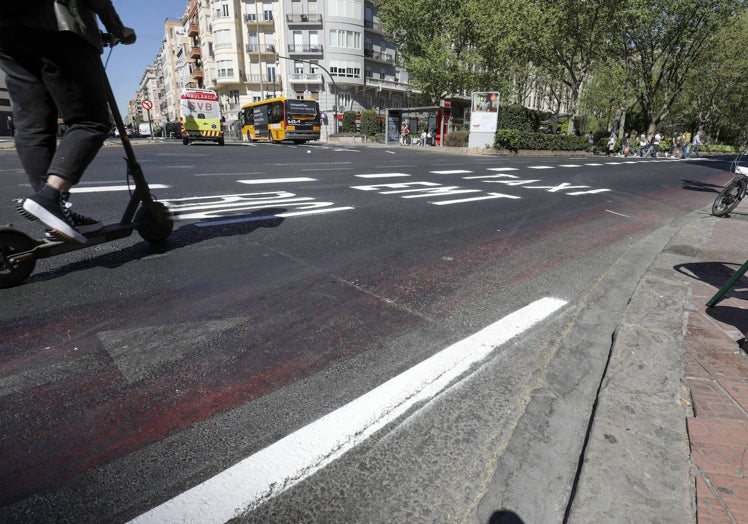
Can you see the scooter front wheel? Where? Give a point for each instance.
(153, 222)
(729, 198)
(15, 273)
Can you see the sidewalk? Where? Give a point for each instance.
(669, 442)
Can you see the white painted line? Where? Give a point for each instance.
(593, 165)
(297, 456)
(277, 180)
(327, 169)
(570, 165)
(106, 189)
(451, 172)
(228, 174)
(383, 175)
(619, 214)
(539, 167)
(503, 169)
(490, 196)
(264, 218)
(488, 176)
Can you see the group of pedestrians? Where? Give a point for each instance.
(643, 145)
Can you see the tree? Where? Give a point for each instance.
(568, 38)
(715, 96)
(449, 47)
(659, 40)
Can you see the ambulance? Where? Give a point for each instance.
(200, 116)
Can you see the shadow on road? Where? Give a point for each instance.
(184, 236)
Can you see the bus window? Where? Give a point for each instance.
(276, 113)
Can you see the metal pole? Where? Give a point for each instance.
(328, 74)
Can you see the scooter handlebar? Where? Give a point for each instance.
(128, 37)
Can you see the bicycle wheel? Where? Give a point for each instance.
(729, 198)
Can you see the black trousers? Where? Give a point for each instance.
(50, 74)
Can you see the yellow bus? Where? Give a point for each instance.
(278, 119)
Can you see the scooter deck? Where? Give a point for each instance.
(50, 248)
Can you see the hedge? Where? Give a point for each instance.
(514, 140)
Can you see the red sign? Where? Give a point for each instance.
(147, 104)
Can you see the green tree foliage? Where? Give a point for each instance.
(447, 46)
(348, 123)
(369, 122)
(715, 97)
(659, 40)
(588, 57)
(568, 38)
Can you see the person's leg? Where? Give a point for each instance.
(74, 76)
(34, 110)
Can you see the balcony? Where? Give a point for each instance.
(388, 83)
(198, 73)
(253, 19)
(379, 56)
(196, 52)
(263, 49)
(256, 80)
(374, 26)
(305, 49)
(305, 78)
(193, 30)
(304, 19)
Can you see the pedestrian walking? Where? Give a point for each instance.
(695, 143)
(612, 139)
(50, 52)
(643, 145)
(656, 139)
(591, 140)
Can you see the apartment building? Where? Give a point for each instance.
(246, 50)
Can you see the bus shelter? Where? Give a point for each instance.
(416, 117)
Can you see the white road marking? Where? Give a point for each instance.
(228, 174)
(451, 172)
(297, 456)
(105, 189)
(277, 180)
(539, 167)
(384, 175)
(503, 169)
(489, 196)
(619, 214)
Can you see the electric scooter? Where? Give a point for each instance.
(152, 220)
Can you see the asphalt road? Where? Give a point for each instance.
(299, 278)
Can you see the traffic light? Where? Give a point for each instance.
(277, 59)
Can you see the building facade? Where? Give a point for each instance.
(333, 51)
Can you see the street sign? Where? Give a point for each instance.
(147, 104)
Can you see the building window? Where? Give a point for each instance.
(345, 8)
(345, 69)
(220, 8)
(225, 68)
(222, 38)
(346, 39)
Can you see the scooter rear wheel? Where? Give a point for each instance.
(11, 243)
(153, 222)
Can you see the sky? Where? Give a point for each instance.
(127, 63)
